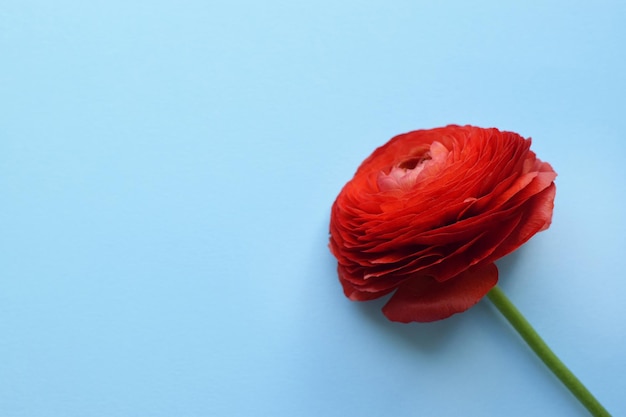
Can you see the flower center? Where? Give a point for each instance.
(407, 173)
(414, 162)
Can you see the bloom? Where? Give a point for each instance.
(427, 214)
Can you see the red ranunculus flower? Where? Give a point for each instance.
(428, 213)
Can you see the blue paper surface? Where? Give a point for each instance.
(166, 174)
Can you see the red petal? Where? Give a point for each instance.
(355, 293)
(424, 299)
(537, 218)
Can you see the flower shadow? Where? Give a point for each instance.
(426, 337)
(506, 265)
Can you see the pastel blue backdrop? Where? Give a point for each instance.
(166, 174)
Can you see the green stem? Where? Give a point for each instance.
(517, 320)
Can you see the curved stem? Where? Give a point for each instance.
(517, 320)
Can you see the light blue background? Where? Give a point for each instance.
(166, 174)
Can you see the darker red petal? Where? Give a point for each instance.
(424, 299)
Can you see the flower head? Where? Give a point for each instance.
(428, 213)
